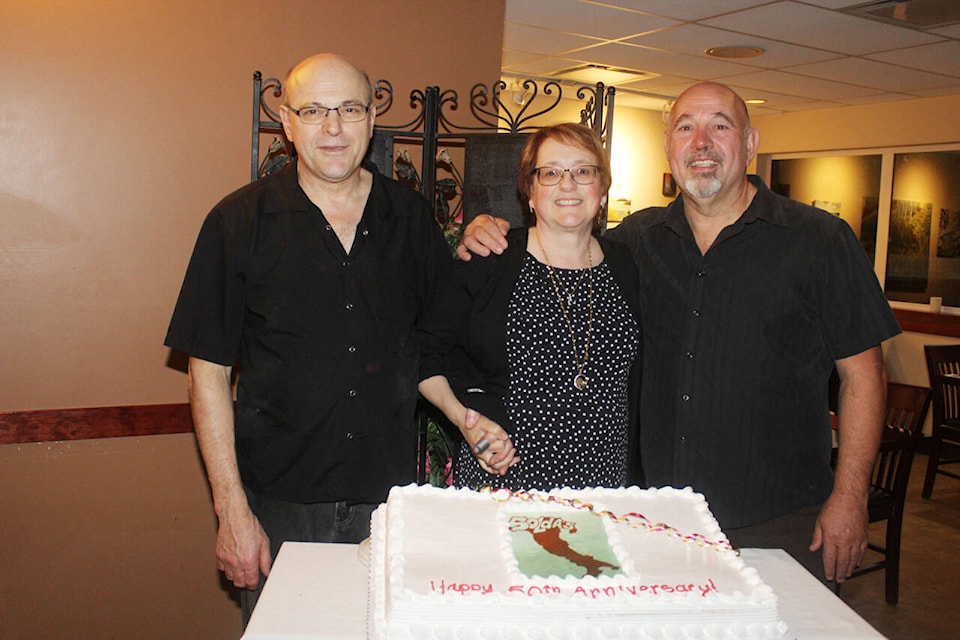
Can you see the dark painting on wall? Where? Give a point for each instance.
(908, 254)
(948, 240)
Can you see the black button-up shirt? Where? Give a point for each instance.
(739, 345)
(323, 340)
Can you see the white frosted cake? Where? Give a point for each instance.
(597, 563)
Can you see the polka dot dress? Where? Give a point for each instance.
(564, 436)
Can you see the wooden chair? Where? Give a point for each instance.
(943, 367)
(906, 410)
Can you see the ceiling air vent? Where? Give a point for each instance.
(916, 14)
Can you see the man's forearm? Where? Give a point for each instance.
(861, 409)
(211, 403)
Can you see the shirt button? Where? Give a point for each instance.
(329, 227)
(352, 393)
(696, 313)
(349, 436)
(365, 232)
(689, 355)
(351, 349)
(348, 306)
(701, 273)
(346, 263)
(685, 397)
(683, 439)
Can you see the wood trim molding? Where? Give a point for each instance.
(938, 324)
(47, 425)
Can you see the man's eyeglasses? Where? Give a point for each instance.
(583, 174)
(314, 114)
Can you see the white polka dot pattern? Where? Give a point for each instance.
(564, 436)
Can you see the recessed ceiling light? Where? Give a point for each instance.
(594, 73)
(735, 52)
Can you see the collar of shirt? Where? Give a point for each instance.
(285, 194)
(764, 206)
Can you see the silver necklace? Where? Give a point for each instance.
(558, 283)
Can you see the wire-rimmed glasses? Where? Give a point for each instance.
(581, 174)
(314, 113)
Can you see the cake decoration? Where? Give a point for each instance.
(634, 520)
(556, 544)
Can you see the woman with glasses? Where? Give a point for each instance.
(542, 340)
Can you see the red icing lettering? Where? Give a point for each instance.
(535, 590)
(707, 588)
(592, 593)
(460, 587)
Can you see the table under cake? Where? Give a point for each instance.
(319, 591)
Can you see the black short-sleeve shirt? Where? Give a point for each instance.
(323, 340)
(739, 345)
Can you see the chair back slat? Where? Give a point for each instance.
(906, 409)
(943, 367)
(943, 362)
(949, 393)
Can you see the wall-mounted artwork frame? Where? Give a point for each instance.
(904, 205)
(908, 251)
(669, 188)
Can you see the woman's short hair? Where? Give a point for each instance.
(574, 134)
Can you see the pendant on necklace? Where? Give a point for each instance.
(580, 381)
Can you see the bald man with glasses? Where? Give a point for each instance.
(305, 286)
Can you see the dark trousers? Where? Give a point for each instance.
(793, 533)
(316, 522)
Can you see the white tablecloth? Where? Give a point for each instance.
(319, 591)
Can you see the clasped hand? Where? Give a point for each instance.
(500, 454)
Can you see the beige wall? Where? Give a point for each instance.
(109, 538)
(637, 157)
(122, 124)
(912, 122)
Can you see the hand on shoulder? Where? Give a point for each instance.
(483, 235)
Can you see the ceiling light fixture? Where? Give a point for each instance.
(594, 73)
(735, 52)
(756, 101)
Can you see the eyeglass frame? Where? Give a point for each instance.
(595, 167)
(365, 107)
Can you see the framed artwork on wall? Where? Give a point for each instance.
(909, 248)
(669, 188)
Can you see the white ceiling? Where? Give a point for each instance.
(817, 54)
